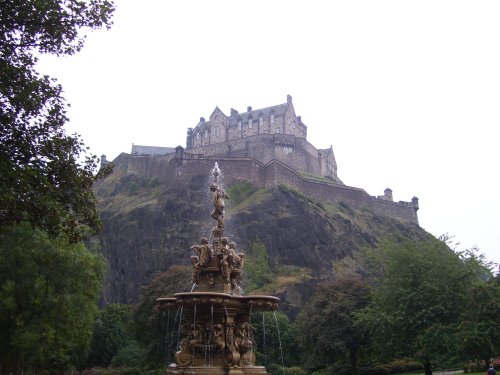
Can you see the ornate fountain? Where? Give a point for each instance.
(217, 337)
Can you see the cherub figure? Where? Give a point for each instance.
(225, 262)
(236, 260)
(201, 259)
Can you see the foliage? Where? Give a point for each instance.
(327, 329)
(48, 294)
(274, 334)
(43, 178)
(479, 328)
(239, 192)
(275, 369)
(130, 355)
(398, 366)
(257, 269)
(421, 294)
(281, 278)
(151, 327)
(110, 335)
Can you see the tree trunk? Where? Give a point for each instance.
(427, 368)
(354, 361)
(18, 365)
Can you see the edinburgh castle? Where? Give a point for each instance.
(267, 147)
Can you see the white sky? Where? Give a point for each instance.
(406, 92)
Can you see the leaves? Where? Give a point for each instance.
(422, 292)
(48, 294)
(327, 327)
(45, 175)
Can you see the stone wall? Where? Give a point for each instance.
(294, 151)
(169, 168)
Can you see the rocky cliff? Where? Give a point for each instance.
(150, 224)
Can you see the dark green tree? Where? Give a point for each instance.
(45, 177)
(327, 330)
(132, 355)
(110, 335)
(257, 269)
(154, 329)
(420, 296)
(48, 294)
(275, 335)
(479, 328)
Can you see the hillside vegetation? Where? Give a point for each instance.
(290, 240)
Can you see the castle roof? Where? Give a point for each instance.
(277, 110)
(256, 113)
(151, 150)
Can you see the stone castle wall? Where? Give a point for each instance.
(294, 151)
(169, 168)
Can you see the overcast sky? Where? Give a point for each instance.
(406, 92)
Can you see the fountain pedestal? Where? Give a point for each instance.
(217, 337)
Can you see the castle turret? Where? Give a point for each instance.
(388, 194)
(179, 152)
(104, 161)
(189, 139)
(414, 202)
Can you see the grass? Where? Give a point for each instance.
(315, 177)
(255, 198)
(284, 276)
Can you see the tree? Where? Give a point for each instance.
(43, 178)
(110, 335)
(275, 335)
(420, 295)
(479, 328)
(257, 269)
(48, 294)
(327, 329)
(154, 329)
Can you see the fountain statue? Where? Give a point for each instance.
(217, 337)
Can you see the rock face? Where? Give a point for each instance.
(150, 224)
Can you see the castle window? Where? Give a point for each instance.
(206, 133)
(250, 123)
(272, 118)
(278, 130)
(216, 132)
(261, 121)
(198, 136)
(239, 124)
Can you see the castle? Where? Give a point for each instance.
(267, 147)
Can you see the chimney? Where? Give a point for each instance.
(299, 119)
(202, 120)
(233, 112)
(249, 109)
(288, 99)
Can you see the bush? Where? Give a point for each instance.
(395, 367)
(276, 369)
(130, 356)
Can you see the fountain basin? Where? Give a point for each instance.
(229, 301)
